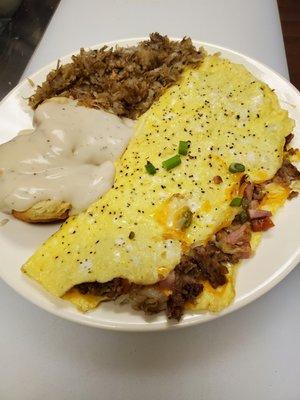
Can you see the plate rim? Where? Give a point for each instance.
(259, 291)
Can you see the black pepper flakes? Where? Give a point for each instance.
(131, 235)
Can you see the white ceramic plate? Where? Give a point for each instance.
(277, 255)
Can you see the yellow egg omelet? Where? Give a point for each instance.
(217, 299)
(228, 116)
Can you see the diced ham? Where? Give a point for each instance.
(286, 174)
(238, 235)
(169, 282)
(254, 204)
(244, 251)
(248, 192)
(261, 224)
(243, 179)
(258, 192)
(235, 240)
(254, 213)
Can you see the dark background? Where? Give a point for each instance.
(21, 29)
(290, 21)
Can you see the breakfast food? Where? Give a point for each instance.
(125, 81)
(207, 167)
(44, 211)
(42, 180)
(64, 164)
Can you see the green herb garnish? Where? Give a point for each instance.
(186, 218)
(242, 216)
(150, 168)
(245, 203)
(236, 167)
(236, 202)
(171, 162)
(183, 218)
(183, 147)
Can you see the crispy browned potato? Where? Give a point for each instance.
(44, 211)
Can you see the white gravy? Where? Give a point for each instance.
(68, 156)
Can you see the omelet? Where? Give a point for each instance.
(215, 300)
(137, 230)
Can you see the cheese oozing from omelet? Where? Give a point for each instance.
(132, 232)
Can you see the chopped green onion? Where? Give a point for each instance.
(236, 167)
(183, 147)
(150, 168)
(236, 202)
(242, 216)
(183, 218)
(245, 203)
(171, 162)
(186, 218)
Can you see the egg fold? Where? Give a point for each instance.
(228, 116)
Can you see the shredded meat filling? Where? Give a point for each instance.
(149, 300)
(235, 240)
(287, 174)
(110, 290)
(125, 81)
(292, 195)
(288, 140)
(203, 263)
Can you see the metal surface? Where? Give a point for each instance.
(19, 36)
